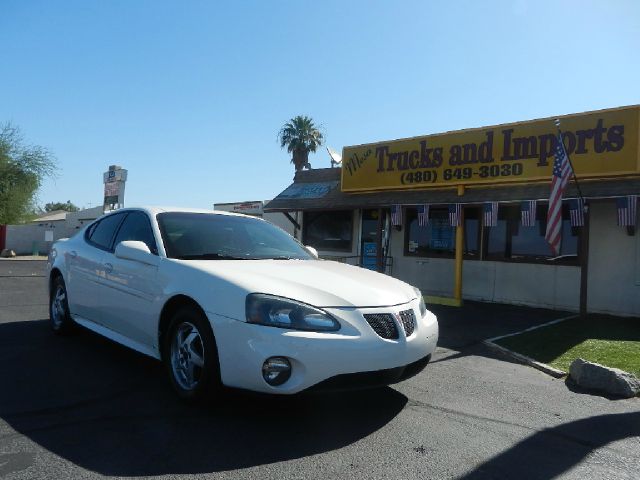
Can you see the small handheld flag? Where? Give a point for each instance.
(490, 216)
(627, 210)
(423, 215)
(528, 213)
(455, 212)
(576, 212)
(396, 215)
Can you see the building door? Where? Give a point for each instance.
(369, 239)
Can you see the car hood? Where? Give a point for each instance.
(317, 282)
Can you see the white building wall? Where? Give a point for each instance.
(25, 239)
(82, 217)
(549, 286)
(614, 264)
(614, 273)
(278, 219)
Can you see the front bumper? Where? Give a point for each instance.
(363, 380)
(317, 357)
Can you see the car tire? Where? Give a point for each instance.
(191, 356)
(59, 316)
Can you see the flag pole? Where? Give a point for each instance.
(584, 238)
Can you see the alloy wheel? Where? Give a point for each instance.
(58, 307)
(187, 356)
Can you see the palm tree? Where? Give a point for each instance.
(300, 136)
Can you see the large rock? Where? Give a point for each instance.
(6, 253)
(598, 377)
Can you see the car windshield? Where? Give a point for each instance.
(206, 236)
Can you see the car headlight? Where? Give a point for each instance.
(263, 309)
(423, 306)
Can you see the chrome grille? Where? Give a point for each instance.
(383, 324)
(408, 319)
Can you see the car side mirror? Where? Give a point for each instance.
(312, 251)
(136, 251)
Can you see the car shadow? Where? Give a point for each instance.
(570, 443)
(110, 410)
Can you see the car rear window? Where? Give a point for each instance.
(101, 235)
(137, 227)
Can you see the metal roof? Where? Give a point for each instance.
(326, 185)
(54, 216)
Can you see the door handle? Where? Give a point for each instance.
(73, 254)
(108, 267)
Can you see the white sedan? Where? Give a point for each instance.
(227, 299)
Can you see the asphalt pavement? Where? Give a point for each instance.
(84, 407)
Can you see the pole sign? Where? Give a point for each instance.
(114, 182)
(600, 144)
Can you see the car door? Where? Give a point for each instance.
(130, 304)
(85, 283)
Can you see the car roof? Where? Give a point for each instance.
(154, 210)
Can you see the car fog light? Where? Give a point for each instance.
(276, 370)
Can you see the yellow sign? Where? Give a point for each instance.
(600, 144)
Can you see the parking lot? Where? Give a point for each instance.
(84, 407)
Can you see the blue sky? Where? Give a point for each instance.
(189, 95)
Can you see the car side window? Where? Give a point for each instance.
(90, 230)
(137, 227)
(102, 233)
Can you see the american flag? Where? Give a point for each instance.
(396, 215)
(490, 214)
(627, 208)
(423, 215)
(455, 211)
(528, 213)
(576, 212)
(559, 180)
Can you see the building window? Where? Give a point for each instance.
(437, 239)
(509, 240)
(329, 230)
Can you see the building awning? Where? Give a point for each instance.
(319, 189)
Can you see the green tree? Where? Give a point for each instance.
(300, 136)
(67, 207)
(22, 170)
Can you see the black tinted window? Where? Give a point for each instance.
(192, 236)
(511, 240)
(329, 230)
(102, 234)
(137, 227)
(437, 238)
(90, 230)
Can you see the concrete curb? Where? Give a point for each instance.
(543, 367)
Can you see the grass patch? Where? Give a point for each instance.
(604, 339)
